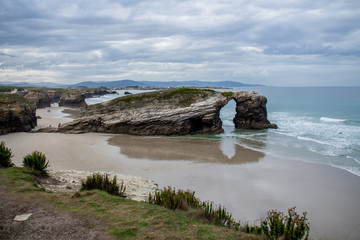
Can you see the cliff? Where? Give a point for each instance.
(171, 112)
(40, 98)
(17, 114)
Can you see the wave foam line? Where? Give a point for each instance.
(352, 170)
(326, 119)
(356, 160)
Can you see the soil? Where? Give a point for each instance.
(46, 221)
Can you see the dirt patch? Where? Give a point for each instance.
(46, 222)
(137, 188)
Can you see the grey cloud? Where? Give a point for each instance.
(251, 41)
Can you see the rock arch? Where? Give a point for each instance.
(170, 112)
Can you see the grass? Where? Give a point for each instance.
(6, 98)
(123, 218)
(182, 97)
(127, 219)
(227, 94)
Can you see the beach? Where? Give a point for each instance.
(247, 182)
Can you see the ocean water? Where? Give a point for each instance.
(315, 124)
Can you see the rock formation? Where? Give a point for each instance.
(72, 98)
(40, 98)
(171, 112)
(251, 111)
(17, 114)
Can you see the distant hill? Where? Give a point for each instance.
(132, 83)
(195, 83)
(39, 84)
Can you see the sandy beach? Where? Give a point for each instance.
(248, 183)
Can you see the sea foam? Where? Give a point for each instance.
(326, 119)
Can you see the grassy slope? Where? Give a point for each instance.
(124, 219)
(6, 98)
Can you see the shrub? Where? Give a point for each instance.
(276, 225)
(293, 226)
(37, 162)
(172, 199)
(102, 182)
(5, 156)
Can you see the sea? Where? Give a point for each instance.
(315, 124)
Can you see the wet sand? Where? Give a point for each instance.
(52, 116)
(247, 182)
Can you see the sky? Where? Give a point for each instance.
(275, 43)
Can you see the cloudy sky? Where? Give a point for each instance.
(279, 43)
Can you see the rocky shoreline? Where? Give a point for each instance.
(18, 108)
(182, 111)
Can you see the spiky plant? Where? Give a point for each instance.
(5, 156)
(37, 162)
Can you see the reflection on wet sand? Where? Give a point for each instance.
(167, 148)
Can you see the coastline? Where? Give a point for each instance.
(246, 188)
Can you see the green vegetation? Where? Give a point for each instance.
(102, 182)
(276, 224)
(36, 161)
(227, 94)
(172, 199)
(184, 200)
(13, 98)
(182, 97)
(5, 89)
(120, 217)
(5, 156)
(291, 226)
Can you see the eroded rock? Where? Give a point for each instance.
(170, 112)
(251, 111)
(17, 114)
(72, 98)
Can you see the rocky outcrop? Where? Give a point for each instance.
(171, 112)
(72, 98)
(40, 98)
(175, 112)
(17, 114)
(54, 95)
(251, 111)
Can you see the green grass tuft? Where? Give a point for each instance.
(227, 94)
(123, 232)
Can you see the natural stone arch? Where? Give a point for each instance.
(170, 112)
